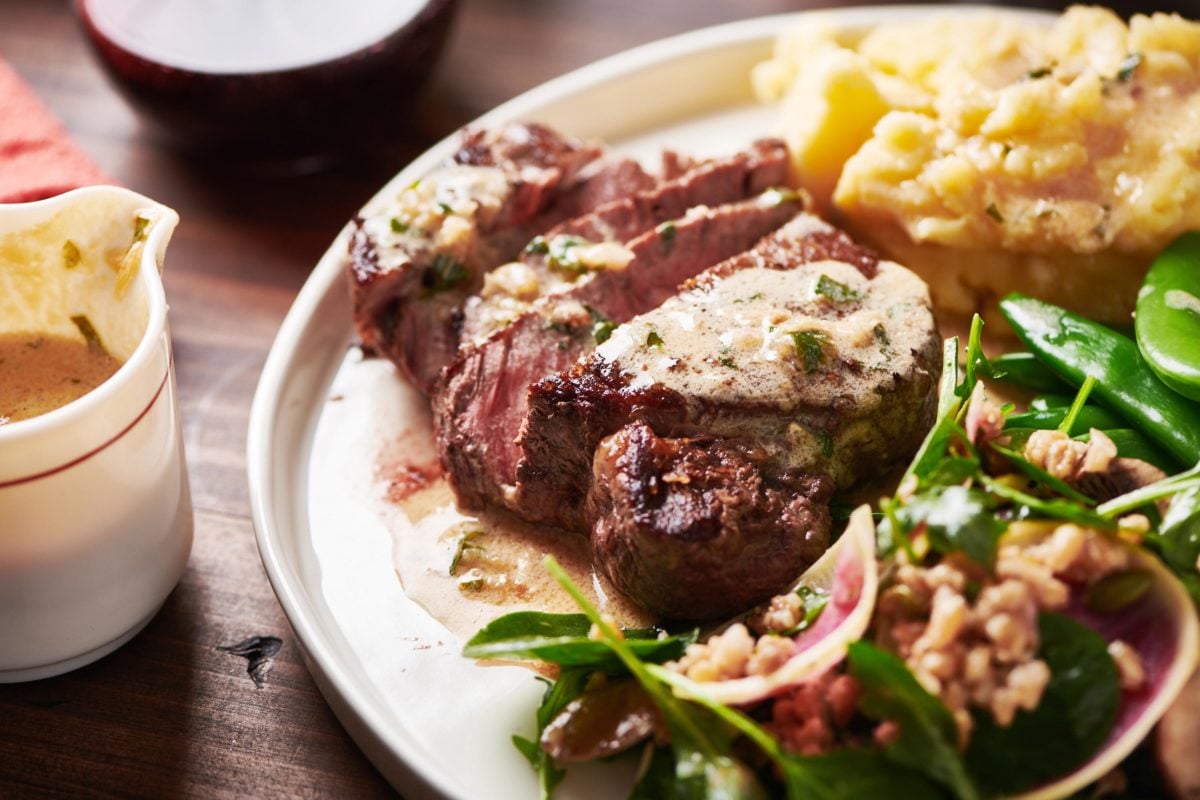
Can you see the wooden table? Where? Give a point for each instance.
(170, 713)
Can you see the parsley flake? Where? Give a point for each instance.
(810, 348)
(836, 291)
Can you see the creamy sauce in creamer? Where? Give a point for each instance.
(40, 372)
(500, 567)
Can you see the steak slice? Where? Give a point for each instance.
(566, 254)
(483, 401)
(807, 347)
(701, 528)
(413, 263)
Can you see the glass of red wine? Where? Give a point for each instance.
(284, 81)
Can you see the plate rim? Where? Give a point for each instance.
(367, 725)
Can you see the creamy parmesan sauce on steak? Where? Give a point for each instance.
(442, 211)
(782, 339)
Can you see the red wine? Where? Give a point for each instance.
(268, 78)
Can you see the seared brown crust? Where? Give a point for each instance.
(701, 529)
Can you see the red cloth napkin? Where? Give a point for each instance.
(37, 159)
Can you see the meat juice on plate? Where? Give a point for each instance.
(266, 78)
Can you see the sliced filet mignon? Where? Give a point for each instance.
(571, 251)
(414, 262)
(482, 404)
(701, 528)
(808, 347)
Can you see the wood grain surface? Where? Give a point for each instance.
(170, 714)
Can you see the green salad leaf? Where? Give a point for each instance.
(956, 518)
(849, 774)
(1077, 711)
(1178, 539)
(927, 730)
(700, 740)
(563, 639)
(570, 684)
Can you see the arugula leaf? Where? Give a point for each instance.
(977, 362)
(563, 639)
(1038, 474)
(570, 684)
(841, 775)
(928, 733)
(956, 518)
(952, 470)
(853, 775)
(1077, 711)
(701, 743)
(1178, 539)
(658, 781)
(944, 427)
(1172, 485)
(1054, 508)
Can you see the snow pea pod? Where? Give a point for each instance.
(1050, 418)
(1075, 347)
(1024, 369)
(1168, 316)
(1050, 400)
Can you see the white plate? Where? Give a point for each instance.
(434, 723)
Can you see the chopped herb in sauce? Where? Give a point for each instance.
(666, 232)
(1036, 73)
(727, 361)
(538, 246)
(810, 348)
(653, 339)
(445, 208)
(466, 541)
(749, 298)
(602, 326)
(413, 185)
(1129, 66)
(994, 213)
(398, 226)
(141, 227)
(836, 291)
(825, 440)
(881, 334)
(444, 273)
(70, 254)
(778, 196)
(563, 256)
(88, 332)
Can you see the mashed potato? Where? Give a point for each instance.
(996, 153)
